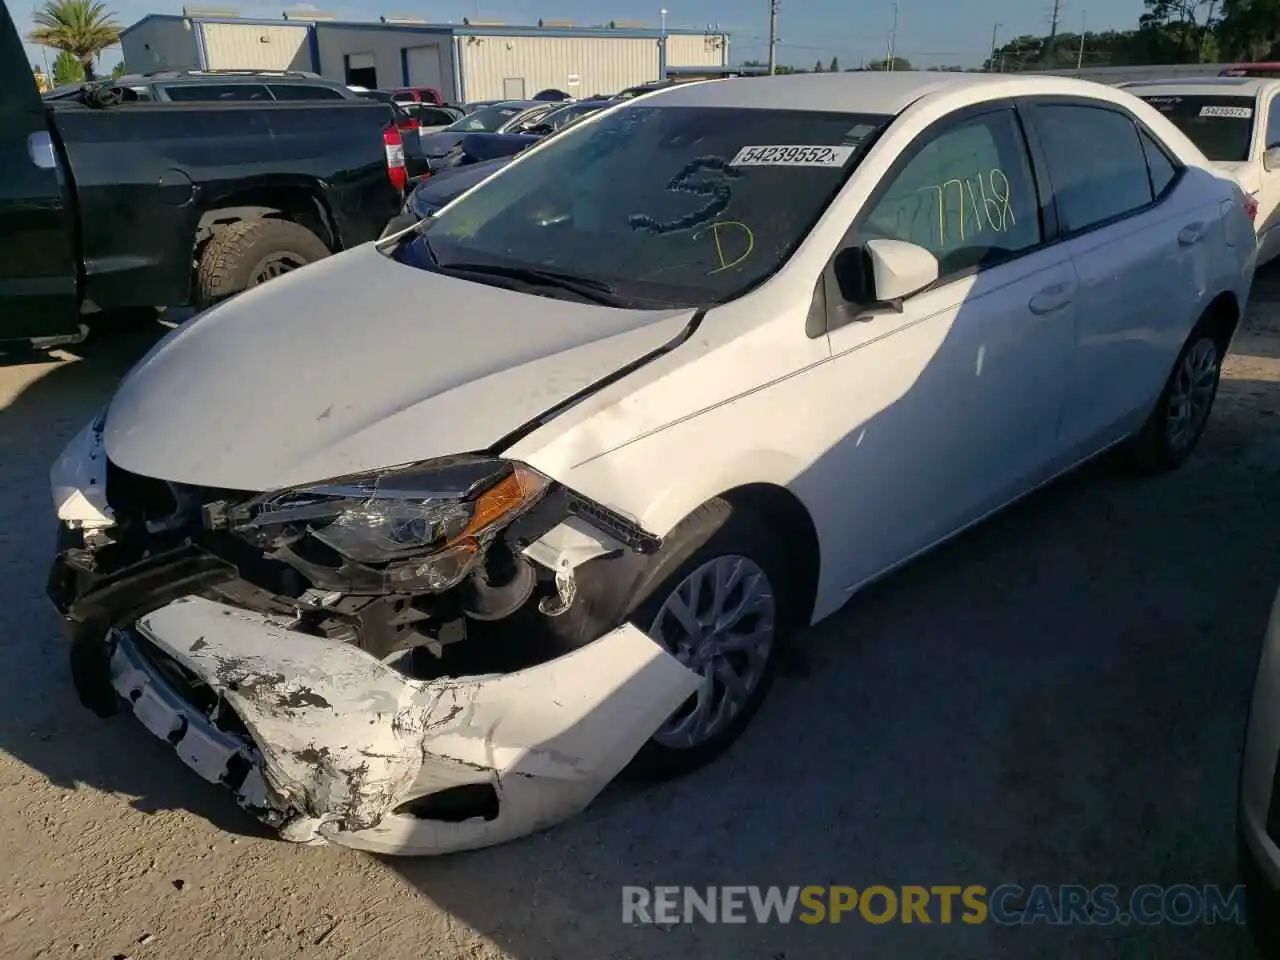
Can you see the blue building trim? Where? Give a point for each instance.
(313, 45)
(457, 30)
(202, 59)
(404, 66)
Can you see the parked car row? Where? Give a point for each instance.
(676, 381)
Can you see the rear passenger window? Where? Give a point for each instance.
(967, 195)
(193, 92)
(302, 91)
(1163, 171)
(1096, 161)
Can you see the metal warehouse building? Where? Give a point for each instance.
(469, 61)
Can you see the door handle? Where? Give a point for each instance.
(1051, 298)
(1190, 234)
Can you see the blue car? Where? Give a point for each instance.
(490, 119)
(516, 136)
(430, 195)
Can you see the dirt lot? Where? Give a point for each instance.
(1057, 697)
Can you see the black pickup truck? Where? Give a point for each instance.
(108, 204)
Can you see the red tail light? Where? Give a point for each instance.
(1251, 206)
(394, 146)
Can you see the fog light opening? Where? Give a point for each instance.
(455, 805)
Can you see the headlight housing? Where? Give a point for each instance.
(422, 525)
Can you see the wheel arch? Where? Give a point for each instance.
(299, 201)
(1222, 316)
(784, 512)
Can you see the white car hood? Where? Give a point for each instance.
(358, 362)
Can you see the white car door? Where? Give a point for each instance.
(953, 402)
(1268, 192)
(1142, 234)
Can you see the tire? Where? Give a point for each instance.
(1192, 387)
(250, 252)
(716, 533)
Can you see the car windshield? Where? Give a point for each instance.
(566, 115)
(484, 120)
(663, 206)
(530, 118)
(1221, 126)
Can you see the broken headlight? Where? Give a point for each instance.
(425, 524)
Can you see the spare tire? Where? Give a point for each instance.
(251, 252)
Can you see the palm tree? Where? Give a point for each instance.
(83, 28)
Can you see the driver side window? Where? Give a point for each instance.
(967, 195)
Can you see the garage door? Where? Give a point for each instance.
(423, 65)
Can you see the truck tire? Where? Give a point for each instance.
(251, 252)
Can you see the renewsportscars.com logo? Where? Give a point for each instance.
(1007, 904)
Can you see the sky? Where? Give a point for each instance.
(930, 32)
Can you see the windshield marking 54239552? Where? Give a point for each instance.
(792, 156)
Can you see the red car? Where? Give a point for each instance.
(1252, 70)
(417, 95)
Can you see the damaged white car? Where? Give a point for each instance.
(425, 578)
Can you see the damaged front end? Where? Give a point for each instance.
(407, 661)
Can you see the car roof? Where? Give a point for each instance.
(1203, 86)
(874, 92)
(227, 76)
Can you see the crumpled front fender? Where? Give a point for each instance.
(344, 739)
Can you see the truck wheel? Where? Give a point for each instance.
(251, 252)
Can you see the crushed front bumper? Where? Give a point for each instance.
(339, 746)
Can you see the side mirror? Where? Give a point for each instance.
(898, 269)
(1271, 159)
(539, 129)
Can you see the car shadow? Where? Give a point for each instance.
(1055, 697)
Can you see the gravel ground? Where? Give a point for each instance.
(1057, 697)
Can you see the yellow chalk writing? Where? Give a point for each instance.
(746, 234)
(989, 200)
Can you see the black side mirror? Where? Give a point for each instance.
(540, 129)
(852, 271)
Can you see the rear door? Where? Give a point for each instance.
(37, 241)
(1140, 229)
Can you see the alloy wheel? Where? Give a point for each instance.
(720, 623)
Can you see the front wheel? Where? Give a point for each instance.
(718, 599)
(1182, 412)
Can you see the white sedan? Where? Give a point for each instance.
(1235, 121)
(674, 383)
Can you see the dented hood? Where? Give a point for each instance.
(359, 362)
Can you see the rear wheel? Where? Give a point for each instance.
(251, 252)
(1182, 412)
(718, 599)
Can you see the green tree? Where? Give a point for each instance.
(899, 63)
(1250, 29)
(1180, 30)
(67, 69)
(81, 28)
(118, 71)
(817, 67)
(835, 65)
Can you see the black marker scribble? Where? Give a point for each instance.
(717, 190)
